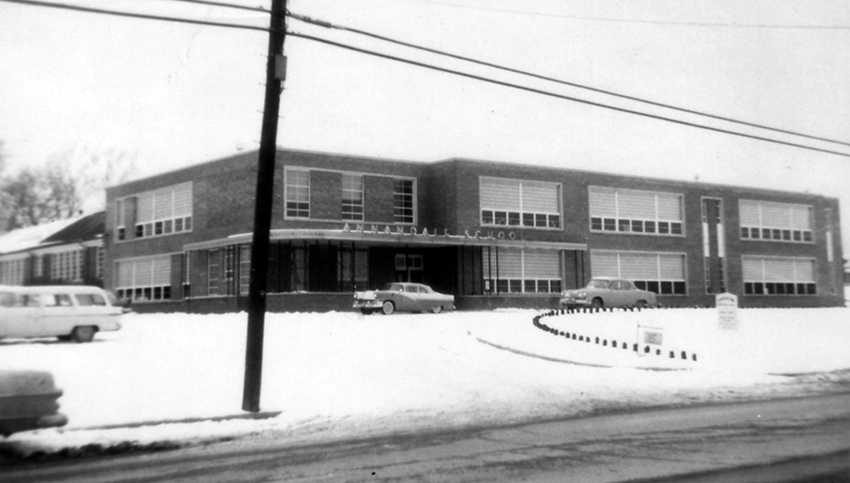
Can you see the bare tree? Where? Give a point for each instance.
(60, 188)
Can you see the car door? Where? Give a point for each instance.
(630, 295)
(59, 314)
(26, 318)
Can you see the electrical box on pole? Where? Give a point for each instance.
(263, 210)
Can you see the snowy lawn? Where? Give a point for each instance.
(337, 375)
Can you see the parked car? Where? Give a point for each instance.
(28, 400)
(411, 297)
(69, 312)
(608, 292)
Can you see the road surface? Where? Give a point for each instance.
(803, 439)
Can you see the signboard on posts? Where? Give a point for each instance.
(727, 311)
(649, 336)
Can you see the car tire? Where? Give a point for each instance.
(388, 308)
(596, 303)
(436, 309)
(641, 304)
(83, 333)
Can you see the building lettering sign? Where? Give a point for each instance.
(413, 231)
(727, 311)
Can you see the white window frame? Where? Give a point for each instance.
(137, 291)
(175, 224)
(659, 280)
(298, 212)
(811, 286)
(780, 234)
(353, 198)
(404, 215)
(648, 227)
(490, 216)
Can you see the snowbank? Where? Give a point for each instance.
(334, 375)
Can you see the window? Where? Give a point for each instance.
(779, 276)
(67, 266)
(165, 211)
(213, 271)
(633, 211)
(12, 271)
(761, 220)
(88, 299)
(352, 197)
(101, 253)
(523, 271)
(661, 273)
(120, 229)
(353, 268)
(144, 279)
(527, 204)
(38, 266)
(403, 201)
(244, 269)
(187, 275)
(297, 193)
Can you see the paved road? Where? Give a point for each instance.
(782, 440)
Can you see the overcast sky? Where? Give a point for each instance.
(173, 95)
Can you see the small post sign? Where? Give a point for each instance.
(649, 336)
(727, 311)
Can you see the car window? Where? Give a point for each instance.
(424, 289)
(627, 285)
(616, 285)
(412, 288)
(9, 299)
(598, 284)
(87, 299)
(57, 300)
(32, 300)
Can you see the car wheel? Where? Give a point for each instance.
(83, 333)
(641, 304)
(437, 309)
(388, 308)
(596, 303)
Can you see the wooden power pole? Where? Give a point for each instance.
(275, 72)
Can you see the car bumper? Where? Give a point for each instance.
(367, 304)
(572, 302)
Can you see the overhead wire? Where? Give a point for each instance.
(224, 5)
(555, 95)
(637, 21)
(118, 13)
(329, 25)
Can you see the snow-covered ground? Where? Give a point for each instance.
(337, 375)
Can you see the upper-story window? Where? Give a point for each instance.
(762, 220)
(120, 227)
(633, 211)
(528, 204)
(352, 197)
(162, 212)
(403, 211)
(297, 193)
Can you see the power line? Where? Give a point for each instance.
(559, 96)
(650, 22)
(64, 6)
(225, 5)
(329, 25)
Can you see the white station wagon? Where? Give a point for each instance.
(69, 312)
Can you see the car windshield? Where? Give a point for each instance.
(393, 287)
(598, 284)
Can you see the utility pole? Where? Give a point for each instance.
(275, 68)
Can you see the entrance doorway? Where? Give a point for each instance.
(408, 267)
